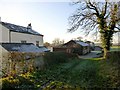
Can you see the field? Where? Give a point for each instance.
(115, 48)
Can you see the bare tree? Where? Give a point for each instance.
(46, 44)
(57, 42)
(99, 17)
(79, 38)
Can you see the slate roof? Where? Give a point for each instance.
(82, 43)
(44, 49)
(23, 47)
(21, 29)
(78, 42)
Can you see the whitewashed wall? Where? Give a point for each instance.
(17, 37)
(4, 34)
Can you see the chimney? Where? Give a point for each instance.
(29, 26)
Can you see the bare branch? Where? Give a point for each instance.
(88, 15)
(93, 7)
(107, 15)
(105, 8)
(117, 28)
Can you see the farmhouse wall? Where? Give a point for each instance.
(18, 37)
(4, 34)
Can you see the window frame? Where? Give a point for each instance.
(23, 41)
(37, 43)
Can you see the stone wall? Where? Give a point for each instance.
(17, 62)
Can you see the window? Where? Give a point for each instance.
(37, 43)
(23, 41)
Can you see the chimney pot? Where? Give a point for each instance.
(29, 26)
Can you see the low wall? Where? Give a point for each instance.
(17, 62)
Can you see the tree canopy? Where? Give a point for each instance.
(57, 42)
(102, 17)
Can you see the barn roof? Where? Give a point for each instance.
(21, 29)
(82, 43)
(23, 47)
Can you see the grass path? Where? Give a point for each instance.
(82, 73)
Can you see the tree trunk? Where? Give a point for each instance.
(105, 52)
(106, 42)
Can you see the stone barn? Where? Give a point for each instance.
(74, 46)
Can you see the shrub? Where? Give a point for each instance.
(113, 57)
(22, 82)
(56, 57)
(9, 83)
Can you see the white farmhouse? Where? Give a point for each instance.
(12, 33)
(20, 43)
(16, 36)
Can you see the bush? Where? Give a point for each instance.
(21, 82)
(56, 57)
(9, 83)
(113, 57)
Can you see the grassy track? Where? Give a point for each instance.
(76, 73)
(83, 73)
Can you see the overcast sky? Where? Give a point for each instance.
(49, 18)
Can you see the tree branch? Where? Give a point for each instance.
(105, 8)
(94, 8)
(117, 28)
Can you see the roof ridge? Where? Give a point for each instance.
(19, 28)
(14, 24)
